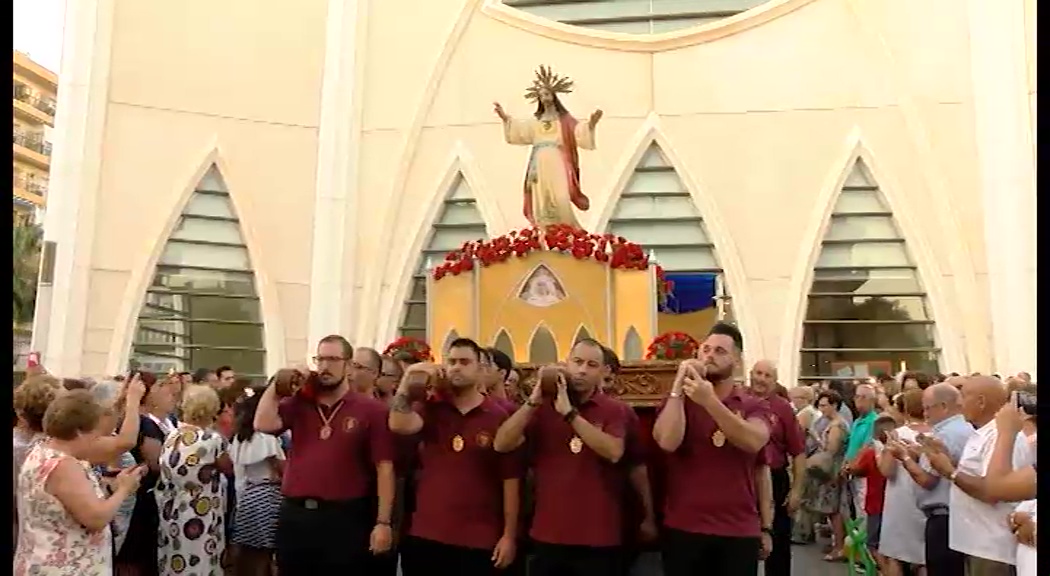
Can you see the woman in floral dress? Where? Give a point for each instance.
(191, 491)
(64, 514)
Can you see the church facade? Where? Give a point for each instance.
(231, 182)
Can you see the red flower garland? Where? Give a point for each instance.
(616, 251)
(672, 346)
(419, 349)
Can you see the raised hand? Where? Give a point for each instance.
(697, 388)
(499, 111)
(561, 402)
(135, 390)
(595, 117)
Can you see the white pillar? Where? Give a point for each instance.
(1006, 165)
(333, 268)
(76, 162)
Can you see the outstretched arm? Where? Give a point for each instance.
(517, 132)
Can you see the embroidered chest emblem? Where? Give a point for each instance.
(349, 423)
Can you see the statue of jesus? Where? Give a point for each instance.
(552, 180)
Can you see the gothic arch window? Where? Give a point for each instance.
(449, 339)
(867, 311)
(632, 345)
(582, 334)
(202, 308)
(634, 16)
(457, 221)
(656, 211)
(504, 344)
(543, 349)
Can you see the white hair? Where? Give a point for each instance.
(106, 392)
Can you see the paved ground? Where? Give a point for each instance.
(806, 561)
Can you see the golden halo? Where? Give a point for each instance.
(545, 78)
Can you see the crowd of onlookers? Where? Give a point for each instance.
(154, 460)
(910, 462)
(930, 474)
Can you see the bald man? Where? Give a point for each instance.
(786, 447)
(942, 407)
(976, 526)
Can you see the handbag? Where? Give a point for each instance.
(821, 466)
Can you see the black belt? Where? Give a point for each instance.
(935, 510)
(320, 504)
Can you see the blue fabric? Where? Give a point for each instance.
(691, 292)
(860, 434)
(954, 433)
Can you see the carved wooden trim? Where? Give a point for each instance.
(639, 384)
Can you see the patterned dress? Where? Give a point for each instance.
(191, 497)
(51, 542)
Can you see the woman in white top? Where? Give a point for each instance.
(64, 514)
(903, 534)
(258, 461)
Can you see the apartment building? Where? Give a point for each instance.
(33, 106)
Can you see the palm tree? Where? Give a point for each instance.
(26, 264)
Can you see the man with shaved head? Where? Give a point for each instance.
(951, 432)
(365, 367)
(976, 526)
(786, 448)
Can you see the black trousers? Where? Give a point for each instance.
(317, 537)
(564, 560)
(779, 561)
(687, 554)
(422, 557)
(940, 559)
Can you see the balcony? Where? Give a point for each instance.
(32, 148)
(31, 190)
(33, 106)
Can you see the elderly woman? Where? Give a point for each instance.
(138, 555)
(191, 492)
(65, 515)
(32, 398)
(107, 393)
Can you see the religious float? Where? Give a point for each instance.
(534, 292)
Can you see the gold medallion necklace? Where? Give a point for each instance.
(326, 428)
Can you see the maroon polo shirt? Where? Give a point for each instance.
(633, 449)
(459, 494)
(633, 456)
(507, 404)
(786, 439)
(710, 489)
(578, 497)
(341, 467)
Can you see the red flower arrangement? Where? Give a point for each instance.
(672, 346)
(616, 251)
(418, 349)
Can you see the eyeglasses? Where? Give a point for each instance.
(359, 366)
(389, 375)
(328, 359)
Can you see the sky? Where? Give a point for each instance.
(38, 30)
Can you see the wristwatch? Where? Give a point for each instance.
(571, 415)
(953, 476)
(674, 394)
(767, 530)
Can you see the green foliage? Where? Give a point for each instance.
(26, 258)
